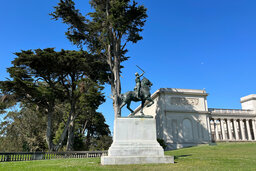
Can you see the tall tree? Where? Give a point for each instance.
(33, 80)
(106, 31)
(74, 69)
(42, 77)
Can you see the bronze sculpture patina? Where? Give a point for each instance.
(141, 93)
(138, 84)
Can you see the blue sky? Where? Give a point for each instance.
(195, 44)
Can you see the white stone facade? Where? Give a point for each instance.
(184, 119)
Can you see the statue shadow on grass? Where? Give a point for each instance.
(181, 156)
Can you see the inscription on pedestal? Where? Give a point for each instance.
(178, 101)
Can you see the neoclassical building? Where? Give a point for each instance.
(184, 119)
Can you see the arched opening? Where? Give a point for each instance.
(187, 130)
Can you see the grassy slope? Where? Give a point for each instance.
(224, 156)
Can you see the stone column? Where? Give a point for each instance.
(229, 130)
(235, 128)
(242, 129)
(199, 132)
(222, 129)
(248, 129)
(216, 130)
(254, 129)
(209, 131)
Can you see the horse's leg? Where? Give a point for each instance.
(128, 107)
(142, 106)
(151, 102)
(122, 104)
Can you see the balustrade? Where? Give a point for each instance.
(24, 156)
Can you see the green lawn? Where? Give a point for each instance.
(223, 156)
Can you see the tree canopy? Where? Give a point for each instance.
(45, 78)
(105, 31)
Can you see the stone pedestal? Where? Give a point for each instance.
(134, 142)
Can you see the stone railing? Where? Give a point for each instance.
(231, 111)
(25, 156)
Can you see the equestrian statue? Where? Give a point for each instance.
(141, 93)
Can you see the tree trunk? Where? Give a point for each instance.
(116, 71)
(88, 140)
(70, 141)
(114, 65)
(85, 125)
(64, 133)
(115, 82)
(49, 129)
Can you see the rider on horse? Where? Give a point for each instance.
(138, 84)
(141, 93)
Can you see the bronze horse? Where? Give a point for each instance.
(130, 96)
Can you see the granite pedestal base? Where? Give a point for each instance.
(134, 142)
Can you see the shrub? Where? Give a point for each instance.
(162, 143)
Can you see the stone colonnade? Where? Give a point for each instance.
(226, 129)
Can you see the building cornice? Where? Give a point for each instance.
(247, 98)
(188, 111)
(231, 111)
(226, 113)
(179, 91)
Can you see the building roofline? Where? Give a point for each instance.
(180, 91)
(184, 91)
(247, 98)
